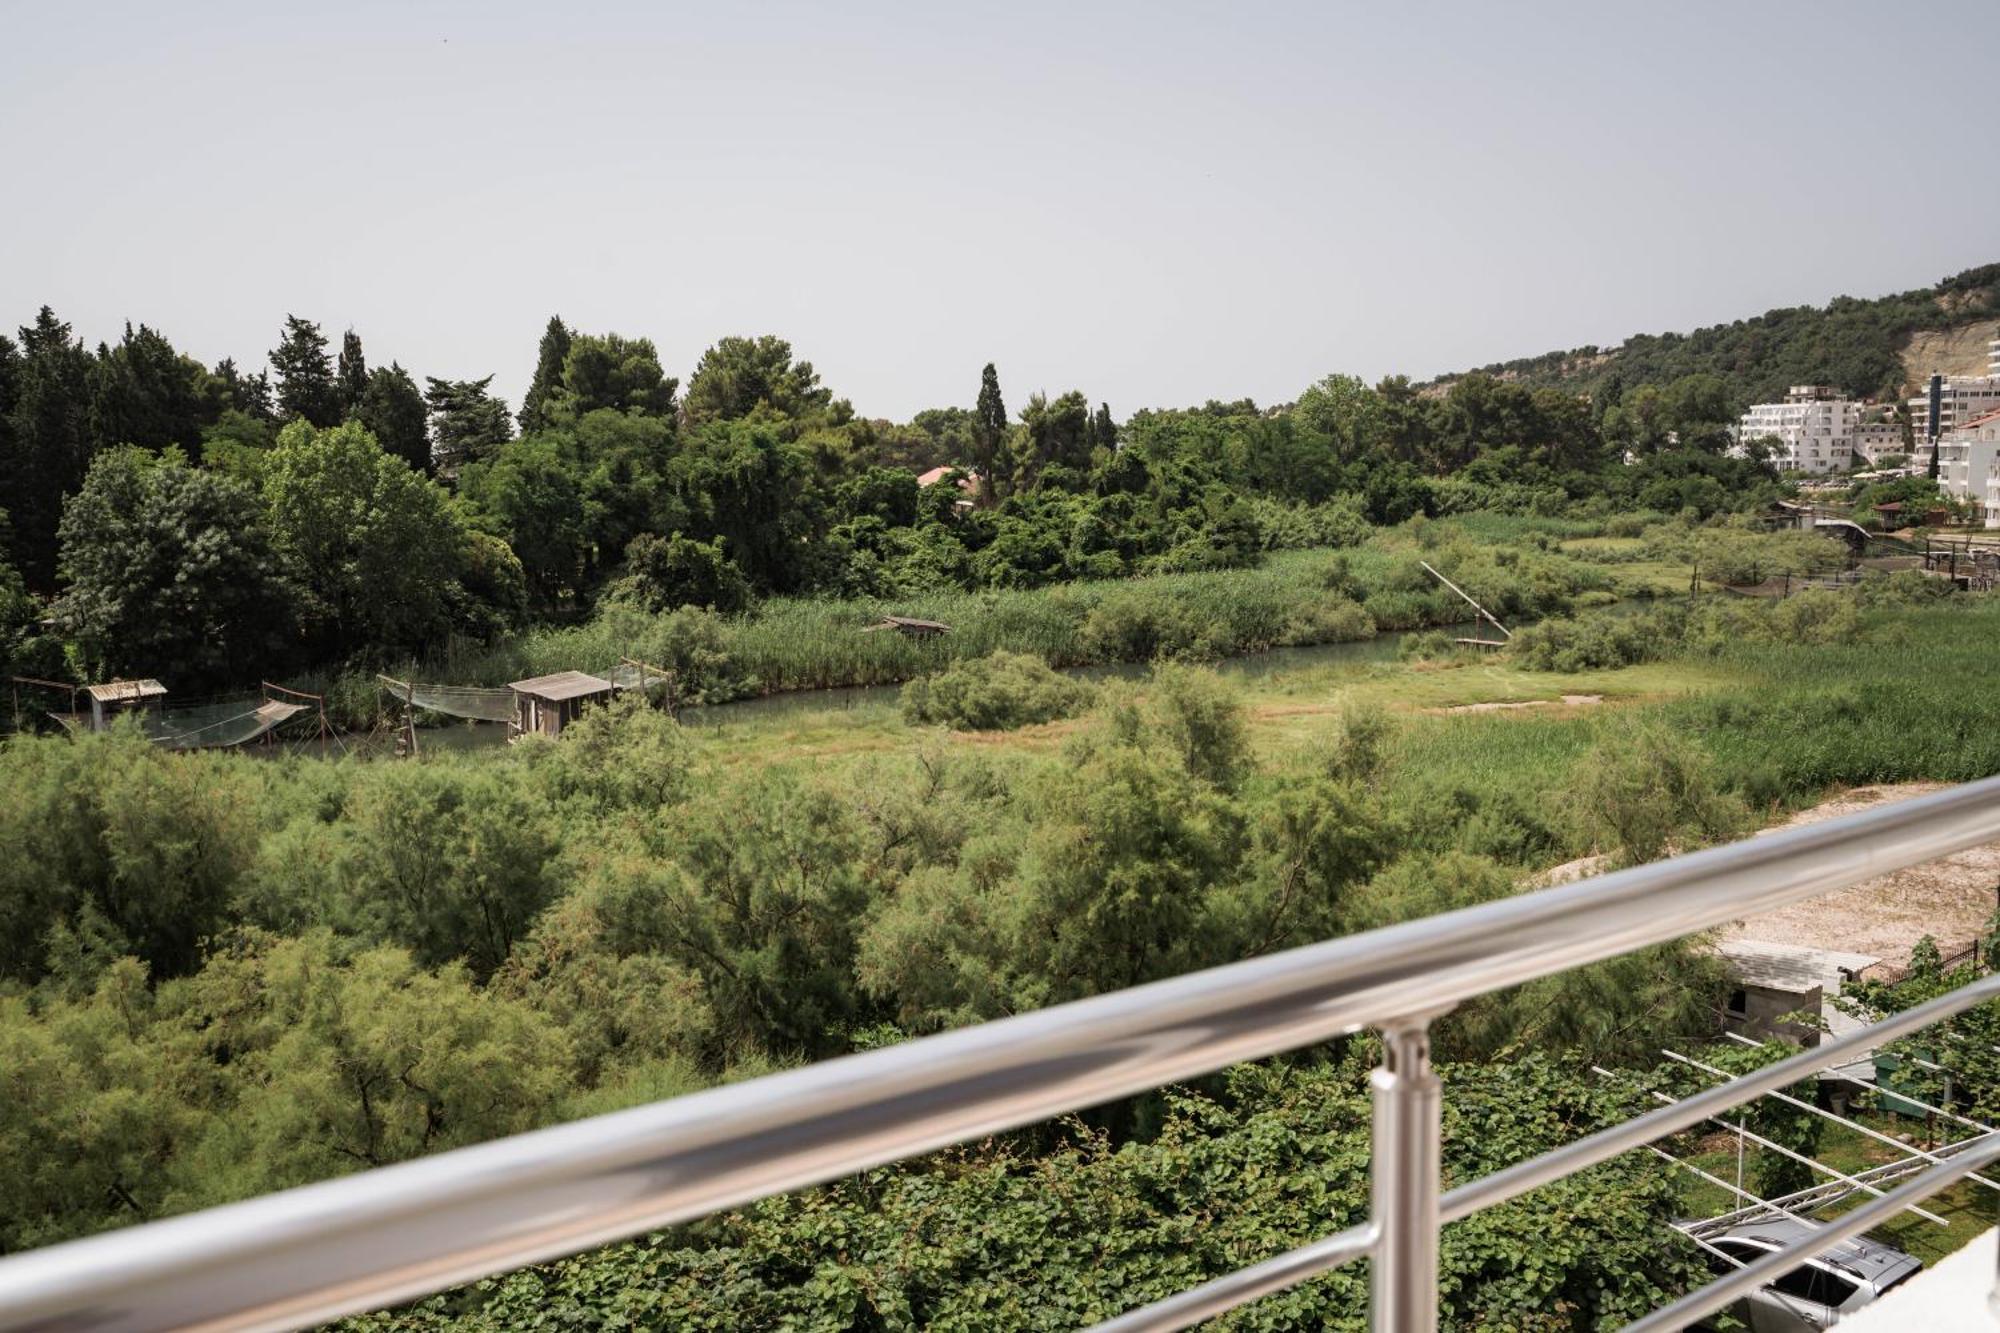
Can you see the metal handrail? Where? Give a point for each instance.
(310, 1254)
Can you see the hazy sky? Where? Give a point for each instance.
(1157, 204)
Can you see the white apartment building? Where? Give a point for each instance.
(1877, 440)
(1963, 398)
(1993, 359)
(1814, 429)
(1969, 464)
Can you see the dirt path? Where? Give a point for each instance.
(1567, 701)
(1950, 900)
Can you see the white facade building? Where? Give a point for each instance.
(1969, 465)
(1963, 398)
(1877, 440)
(1814, 429)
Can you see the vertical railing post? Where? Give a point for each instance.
(1408, 1118)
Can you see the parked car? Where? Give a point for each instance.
(1837, 1281)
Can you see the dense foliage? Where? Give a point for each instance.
(1855, 345)
(994, 693)
(220, 975)
(331, 512)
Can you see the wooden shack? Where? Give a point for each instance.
(544, 705)
(114, 698)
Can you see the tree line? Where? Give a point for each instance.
(1853, 344)
(210, 524)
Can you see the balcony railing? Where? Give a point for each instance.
(368, 1240)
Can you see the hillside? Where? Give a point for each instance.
(1870, 348)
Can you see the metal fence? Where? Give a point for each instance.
(310, 1254)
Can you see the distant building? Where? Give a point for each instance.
(1964, 398)
(1877, 440)
(1993, 359)
(967, 483)
(1814, 429)
(1969, 464)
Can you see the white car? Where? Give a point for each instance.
(1837, 1281)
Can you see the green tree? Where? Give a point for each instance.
(235, 391)
(665, 572)
(352, 372)
(737, 375)
(338, 1061)
(306, 384)
(989, 430)
(393, 411)
(50, 441)
(450, 862)
(1343, 416)
(146, 393)
(468, 424)
(746, 486)
(549, 358)
(528, 495)
(1054, 434)
(109, 837)
(761, 894)
(1103, 430)
(372, 546)
(609, 371)
(168, 566)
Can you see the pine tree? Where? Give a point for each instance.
(548, 376)
(468, 424)
(989, 431)
(306, 386)
(353, 373)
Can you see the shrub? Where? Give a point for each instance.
(998, 692)
(1593, 643)
(1638, 791)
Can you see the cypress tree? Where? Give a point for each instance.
(1103, 430)
(353, 372)
(989, 430)
(548, 376)
(50, 441)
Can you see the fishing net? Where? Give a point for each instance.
(631, 676)
(226, 723)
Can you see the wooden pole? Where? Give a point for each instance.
(1468, 597)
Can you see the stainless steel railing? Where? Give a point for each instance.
(310, 1254)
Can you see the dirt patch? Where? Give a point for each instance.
(1957, 351)
(1567, 701)
(1951, 900)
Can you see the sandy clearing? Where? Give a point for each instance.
(1567, 701)
(1951, 900)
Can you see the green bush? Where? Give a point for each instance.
(998, 692)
